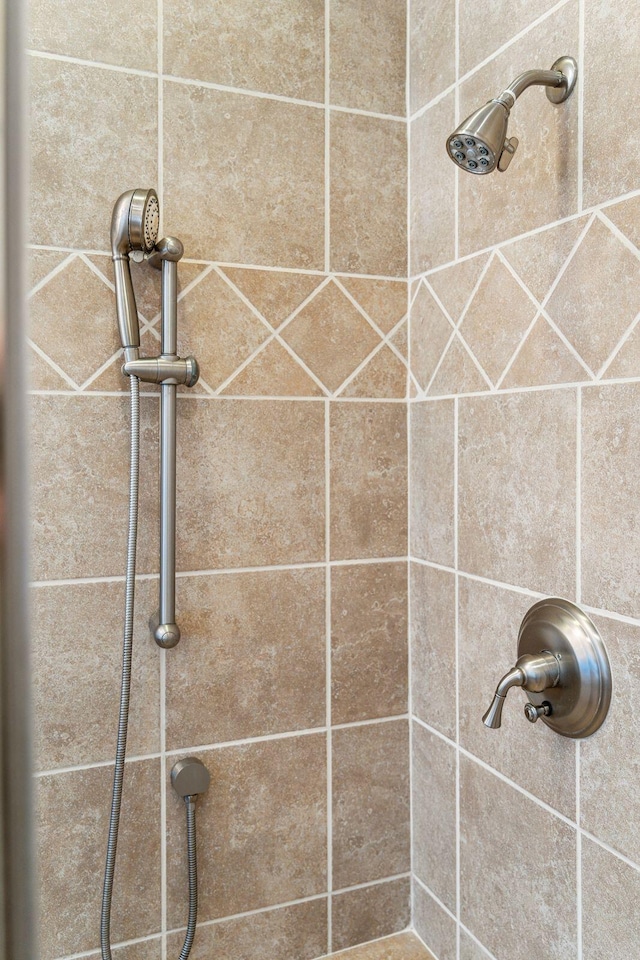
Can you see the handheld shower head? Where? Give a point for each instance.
(134, 228)
(480, 144)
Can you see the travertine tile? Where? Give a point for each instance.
(110, 33)
(455, 284)
(610, 755)
(432, 49)
(610, 489)
(213, 142)
(538, 259)
(485, 26)
(517, 476)
(81, 728)
(433, 653)
(458, 373)
(263, 819)
(543, 358)
(73, 320)
(330, 336)
(433, 925)
(626, 217)
(72, 824)
(384, 376)
(434, 802)
(40, 263)
(403, 946)
(610, 890)
(275, 48)
(93, 135)
(535, 758)
(432, 211)
(368, 480)
(367, 55)
(626, 362)
(80, 486)
(598, 296)
(384, 301)
(273, 372)
(370, 773)
(368, 195)
(497, 319)
(41, 375)
(218, 329)
(274, 293)
(502, 902)
(247, 494)
(368, 641)
(146, 950)
(611, 59)
(432, 495)
(297, 932)
(253, 661)
(370, 913)
(469, 949)
(430, 334)
(541, 185)
(400, 339)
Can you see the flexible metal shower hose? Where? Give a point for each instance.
(123, 716)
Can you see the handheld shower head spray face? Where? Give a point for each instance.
(480, 144)
(134, 229)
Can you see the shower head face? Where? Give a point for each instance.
(144, 220)
(477, 144)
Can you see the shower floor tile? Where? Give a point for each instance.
(402, 946)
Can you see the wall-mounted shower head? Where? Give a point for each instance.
(480, 144)
(134, 228)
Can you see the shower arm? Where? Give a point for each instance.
(532, 78)
(168, 370)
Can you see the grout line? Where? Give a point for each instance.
(64, 263)
(328, 664)
(460, 926)
(98, 64)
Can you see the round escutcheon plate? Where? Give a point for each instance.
(580, 701)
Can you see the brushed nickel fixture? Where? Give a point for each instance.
(134, 236)
(480, 144)
(563, 665)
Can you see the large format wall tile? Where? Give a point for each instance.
(248, 495)
(93, 136)
(255, 647)
(368, 195)
(82, 654)
(517, 489)
(432, 481)
(528, 903)
(73, 818)
(145, 950)
(368, 641)
(432, 178)
(610, 490)
(263, 820)
(371, 912)
(610, 756)
(611, 59)
(432, 49)
(541, 184)
(610, 890)
(370, 771)
(300, 932)
(273, 48)
(213, 143)
(485, 26)
(433, 647)
(80, 476)
(433, 925)
(116, 32)
(368, 480)
(434, 803)
(367, 55)
(536, 758)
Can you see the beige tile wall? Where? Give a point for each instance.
(524, 467)
(276, 137)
